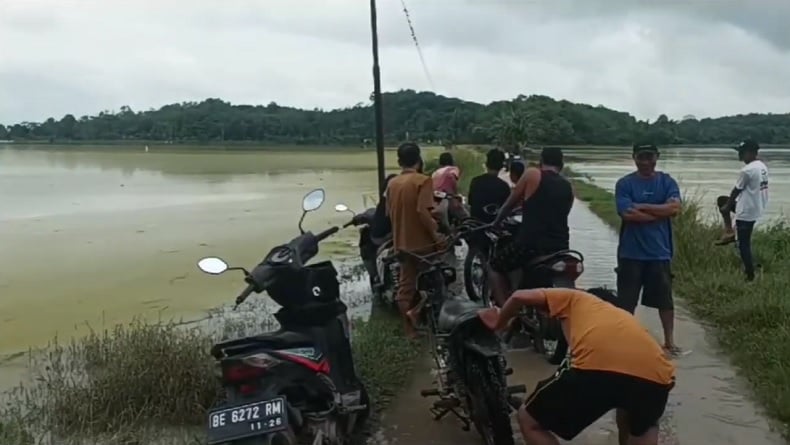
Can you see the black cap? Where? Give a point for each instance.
(639, 148)
(748, 145)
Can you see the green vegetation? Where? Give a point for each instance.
(129, 384)
(423, 116)
(750, 320)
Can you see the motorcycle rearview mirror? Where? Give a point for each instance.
(313, 200)
(213, 265)
(310, 203)
(341, 208)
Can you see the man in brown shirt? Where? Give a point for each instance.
(409, 206)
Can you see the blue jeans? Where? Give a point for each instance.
(744, 231)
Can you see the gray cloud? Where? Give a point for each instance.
(675, 57)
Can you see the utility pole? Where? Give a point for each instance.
(379, 112)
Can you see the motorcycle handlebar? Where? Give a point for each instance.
(244, 294)
(326, 233)
(350, 223)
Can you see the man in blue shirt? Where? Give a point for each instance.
(647, 200)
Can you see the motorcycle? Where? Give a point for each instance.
(296, 385)
(559, 269)
(472, 371)
(450, 210)
(376, 257)
(480, 250)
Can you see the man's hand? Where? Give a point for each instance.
(489, 317)
(440, 241)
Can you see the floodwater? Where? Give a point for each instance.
(706, 407)
(702, 173)
(99, 237)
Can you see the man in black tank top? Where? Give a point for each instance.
(547, 200)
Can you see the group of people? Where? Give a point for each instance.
(633, 377)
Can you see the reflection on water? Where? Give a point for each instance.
(701, 172)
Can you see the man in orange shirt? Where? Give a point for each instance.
(409, 206)
(634, 376)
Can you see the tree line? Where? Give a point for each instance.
(408, 115)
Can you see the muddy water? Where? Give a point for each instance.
(100, 237)
(703, 173)
(706, 407)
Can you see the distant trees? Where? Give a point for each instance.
(423, 116)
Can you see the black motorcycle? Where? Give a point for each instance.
(559, 269)
(376, 256)
(470, 360)
(480, 248)
(297, 385)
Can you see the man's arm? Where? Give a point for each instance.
(740, 184)
(529, 297)
(425, 207)
(526, 187)
(669, 209)
(625, 205)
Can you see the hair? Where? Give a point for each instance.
(517, 169)
(552, 156)
(445, 159)
(606, 295)
(495, 159)
(408, 154)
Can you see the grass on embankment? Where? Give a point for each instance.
(130, 384)
(751, 320)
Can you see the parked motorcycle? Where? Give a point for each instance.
(560, 269)
(471, 380)
(296, 385)
(377, 257)
(481, 247)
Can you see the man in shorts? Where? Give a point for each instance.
(647, 200)
(615, 364)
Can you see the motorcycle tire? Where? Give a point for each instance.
(469, 265)
(488, 400)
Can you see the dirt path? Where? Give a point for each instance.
(708, 405)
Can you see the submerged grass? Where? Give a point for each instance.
(138, 383)
(751, 320)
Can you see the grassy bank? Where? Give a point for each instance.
(750, 320)
(139, 383)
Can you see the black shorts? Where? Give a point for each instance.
(652, 278)
(572, 399)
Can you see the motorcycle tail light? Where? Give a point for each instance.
(571, 269)
(249, 368)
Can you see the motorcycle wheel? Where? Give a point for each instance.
(488, 400)
(475, 275)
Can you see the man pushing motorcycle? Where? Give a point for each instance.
(633, 377)
(547, 199)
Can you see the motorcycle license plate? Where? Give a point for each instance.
(248, 420)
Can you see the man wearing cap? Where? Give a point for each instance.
(647, 200)
(748, 200)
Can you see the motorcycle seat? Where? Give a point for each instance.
(456, 311)
(272, 340)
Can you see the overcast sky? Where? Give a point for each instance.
(701, 57)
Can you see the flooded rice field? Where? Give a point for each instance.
(94, 238)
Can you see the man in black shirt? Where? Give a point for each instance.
(488, 188)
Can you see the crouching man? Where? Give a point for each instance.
(615, 364)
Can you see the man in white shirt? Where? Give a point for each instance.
(748, 201)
